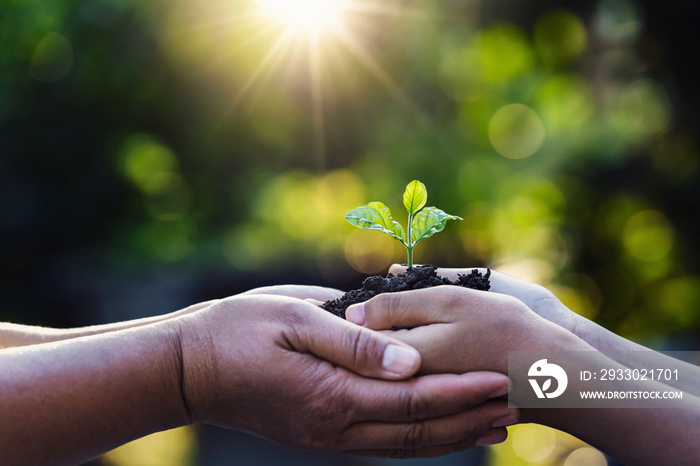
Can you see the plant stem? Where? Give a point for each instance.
(409, 240)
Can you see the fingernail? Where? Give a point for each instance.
(499, 392)
(356, 314)
(507, 420)
(399, 360)
(489, 440)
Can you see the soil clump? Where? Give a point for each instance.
(422, 276)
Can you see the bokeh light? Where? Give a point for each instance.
(678, 299)
(169, 448)
(149, 165)
(648, 236)
(560, 36)
(643, 109)
(516, 131)
(534, 445)
(52, 59)
(530, 444)
(586, 456)
(370, 253)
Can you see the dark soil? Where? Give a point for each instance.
(422, 276)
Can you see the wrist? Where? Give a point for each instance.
(162, 351)
(590, 332)
(544, 335)
(196, 353)
(561, 344)
(561, 341)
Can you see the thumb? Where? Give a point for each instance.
(358, 349)
(406, 309)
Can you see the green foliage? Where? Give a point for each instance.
(415, 196)
(421, 223)
(205, 151)
(376, 216)
(429, 221)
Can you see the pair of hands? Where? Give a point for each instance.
(269, 363)
(280, 367)
(459, 329)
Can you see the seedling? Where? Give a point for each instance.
(422, 222)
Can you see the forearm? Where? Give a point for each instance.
(547, 305)
(601, 338)
(636, 356)
(633, 435)
(67, 402)
(13, 335)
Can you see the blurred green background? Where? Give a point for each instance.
(154, 154)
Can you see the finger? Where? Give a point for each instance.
(444, 430)
(490, 437)
(536, 297)
(355, 348)
(500, 282)
(197, 306)
(406, 309)
(424, 397)
(315, 302)
(319, 293)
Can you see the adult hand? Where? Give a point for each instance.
(286, 370)
(459, 329)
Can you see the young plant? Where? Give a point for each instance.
(422, 222)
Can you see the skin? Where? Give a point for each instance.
(458, 330)
(274, 366)
(544, 303)
(12, 335)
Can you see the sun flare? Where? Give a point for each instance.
(306, 14)
(319, 32)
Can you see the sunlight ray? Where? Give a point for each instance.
(293, 48)
(273, 54)
(382, 76)
(196, 25)
(384, 10)
(224, 21)
(377, 9)
(240, 47)
(317, 102)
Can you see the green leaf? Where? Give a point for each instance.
(428, 222)
(376, 216)
(415, 196)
